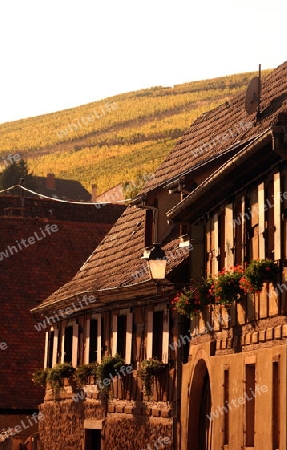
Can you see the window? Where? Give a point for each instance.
(68, 344)
(50, 349)
(221, 240)
(238, 238)
(276, 406)
(269, 220)
(250, 405)
(158, 334)
(226, 402)
(93, 341)
(122, 334)
(149, 227)
(121, 338)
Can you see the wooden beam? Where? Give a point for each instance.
(75, 341)
(129, 338)
(87, 341)
(55, 347)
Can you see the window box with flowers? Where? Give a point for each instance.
(258, 272)
(186, 304)
(195, 299)
(227, 286)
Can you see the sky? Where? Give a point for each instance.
(59, 54)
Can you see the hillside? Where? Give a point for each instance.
(115, 139)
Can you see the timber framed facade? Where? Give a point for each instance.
(224, 381)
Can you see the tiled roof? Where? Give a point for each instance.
(64, 189)
(116, 262)
(222, 128)
(27, 276)
(37, 205)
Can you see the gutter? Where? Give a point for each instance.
(108, 296)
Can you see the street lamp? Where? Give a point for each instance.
(157, 262)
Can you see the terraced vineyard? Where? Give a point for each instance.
(115, 139)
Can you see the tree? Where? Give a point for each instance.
(12, 175)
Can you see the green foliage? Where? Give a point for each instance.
(84, 371)
(108, 368)
(106, 142)
(187, 303)
(40, 377)
(56, 375)
(257, 273)
(226, 287)
(195, 299)
(13, 173)
(53, 376)
(149, 369)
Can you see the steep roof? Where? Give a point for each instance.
(116, 262)
(31, 272)
(226, 129)
(222, 129)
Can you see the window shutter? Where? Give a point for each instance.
(55, 347)
(87, 342)
(115, 329)
(129, 337)
(165, 338)
(149, 334)
(75, 345)
(261, 220)
(46, 349)
(98, 317)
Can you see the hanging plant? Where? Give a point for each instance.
(56, 375)
(187, 302)
(149, 369)
(106, 371)
(85, 371)
(227, 287)
(259, 272)
(205, 291)
(39, 377)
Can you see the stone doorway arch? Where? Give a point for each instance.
(199, 425)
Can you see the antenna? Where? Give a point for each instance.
(253, 95)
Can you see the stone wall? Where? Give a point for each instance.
(129, 425)
(63, 426)
(137, 433)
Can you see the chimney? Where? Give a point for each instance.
(51, 182)
(94, 193)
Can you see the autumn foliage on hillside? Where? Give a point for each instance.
(113, 140)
